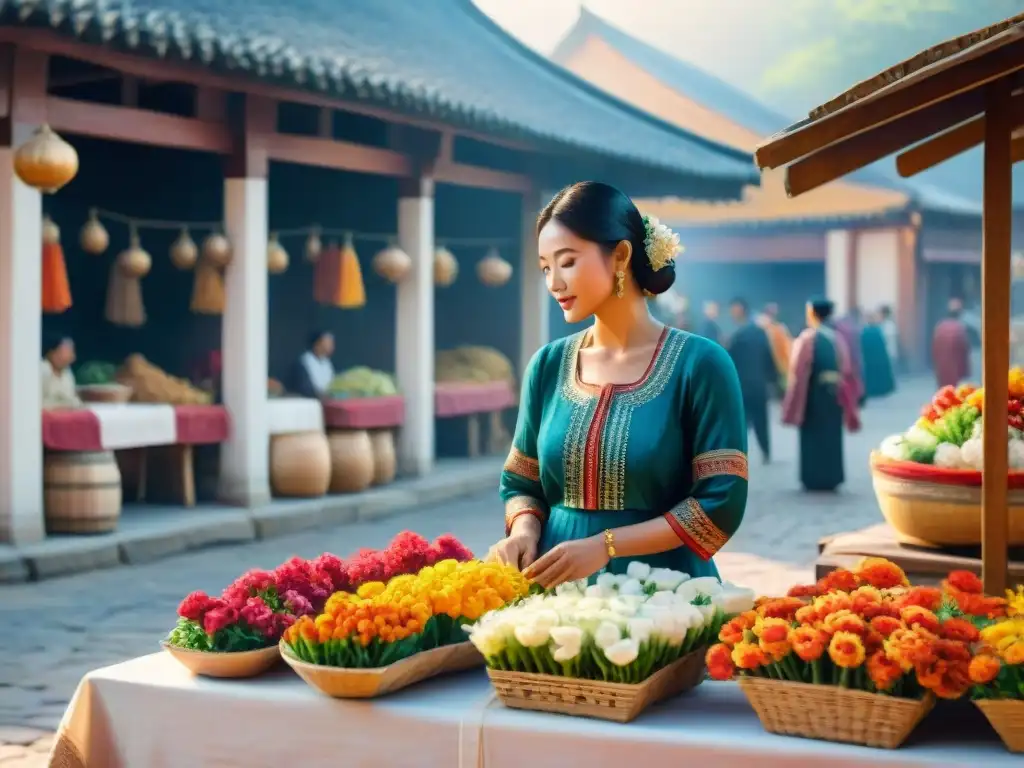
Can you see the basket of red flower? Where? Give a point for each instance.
(237, 634)
(859, 657)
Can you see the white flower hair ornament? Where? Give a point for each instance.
(660, 243)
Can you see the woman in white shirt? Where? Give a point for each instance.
(314, 370)
(58, 382)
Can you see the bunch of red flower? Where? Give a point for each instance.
(256, 609)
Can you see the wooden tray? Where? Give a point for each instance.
(218, 664)
(831, 713)
(1007, 718)
(619, 702)
(346, 683)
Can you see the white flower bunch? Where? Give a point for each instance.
(620, 629)
(660, 243)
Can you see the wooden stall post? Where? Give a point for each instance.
(995, 350)
(534, 302)
(244, 468)
(414, 348)
(23, 76)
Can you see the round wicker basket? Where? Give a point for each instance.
(104, 393)
(931, 506)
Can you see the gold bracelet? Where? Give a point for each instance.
(609, 543)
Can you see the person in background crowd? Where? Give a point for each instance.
(891, 334)
(58, 382)
(879, 380)
(313, 372)
(849, 328)
(780, 340)
(821, 398)
(709, 327)
(751, 352)
(951, 348)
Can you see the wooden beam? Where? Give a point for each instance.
(341, 155)
(917, 93)
(130, 91)
(953, 142)
(1017, 149)
(252, 132)
(137, 126)
(449, 172)
(325, 123)
(997, 225)
(211, 105)
(864, 148)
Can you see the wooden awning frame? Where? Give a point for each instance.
(965, 97)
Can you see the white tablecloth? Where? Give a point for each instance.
(286, 415)
(150, 712)
(133, 425)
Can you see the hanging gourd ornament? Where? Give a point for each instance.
(392, 263)
(184, 251)
(94, 238)
(277, 256)
(493, 270)
(46, 162)
(446, 268)
(314, 246)
(51, 232)
(217, 250)
(134, 261)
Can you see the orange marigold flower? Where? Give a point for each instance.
(873, 641)
(917, 617)
(780, 608)
(773, 637)
(947, 672)
(804, 590)
(963, 581)
(1012, 650)
(807, 615)
(908, 647)
(984, 669)
(959, 630)
(832, 603)
(839, 580)
(881, 573)
(886, 625)
(979, 605)
(883, 671)
(719, 662)
(846, 650)
(748, 656)
(845, 621)
(808, 643)
(925, 597)
(732, 631)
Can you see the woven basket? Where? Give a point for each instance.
(932, 506)
(225, 664)
(104, 393)
(831, 713)
(343, 683)
(619, 702)
(1007, 717)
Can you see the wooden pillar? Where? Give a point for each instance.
(414, 348)
(23, 77)
(244, 470)
(534, 300)
(995, 308)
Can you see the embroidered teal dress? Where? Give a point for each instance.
(672, 445)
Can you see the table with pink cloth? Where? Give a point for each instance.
(453, 399)
(387, 412)
(150, 712)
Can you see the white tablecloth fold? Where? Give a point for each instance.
(286, 415)
(129, 425)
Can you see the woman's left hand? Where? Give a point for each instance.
(569, 561)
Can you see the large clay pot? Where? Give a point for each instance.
(300, 464)
(384, 460)
(352, 467)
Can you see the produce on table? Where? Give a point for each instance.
(150, 384)
(381, 624)
(96, 372)
(621, 629)
(362, 382)
(948, 434)
(255, 610)
(473, 364)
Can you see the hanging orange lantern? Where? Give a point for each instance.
(392, 263)
(46, 162)
(493, 270)
(217, 250)
(94, 238)
(184, 252)
(277, 256)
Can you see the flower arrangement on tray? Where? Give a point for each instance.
(384, 637)
(609, 649)
(236, 634)
(857, 657)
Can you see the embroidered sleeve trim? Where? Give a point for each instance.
(523, 505)
(518, 463)
(693, 526)
(724, 461)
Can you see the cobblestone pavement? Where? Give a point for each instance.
(55, 631)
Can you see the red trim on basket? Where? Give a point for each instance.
(929, 473)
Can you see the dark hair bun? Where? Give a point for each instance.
(602, 214)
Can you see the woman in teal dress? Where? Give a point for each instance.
(631, 440)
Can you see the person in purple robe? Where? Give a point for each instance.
(849, 328)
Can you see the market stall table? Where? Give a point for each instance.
(453, 399)
(150, 711)
(360, 431)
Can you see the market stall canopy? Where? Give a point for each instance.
(444, 60)
(701, 103)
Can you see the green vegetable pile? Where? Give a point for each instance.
(362, 382)
(96, 372)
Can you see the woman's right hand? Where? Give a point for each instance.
(519, 548)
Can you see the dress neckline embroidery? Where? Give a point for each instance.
(597, 390)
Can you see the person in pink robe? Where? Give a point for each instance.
(951, 348)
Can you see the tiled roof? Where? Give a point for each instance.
(442, 58)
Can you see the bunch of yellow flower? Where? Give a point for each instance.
(382, 623)
(997, 669)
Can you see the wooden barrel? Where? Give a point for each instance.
(384, 460)
(81, 491)
(351, 460)
(300, 464)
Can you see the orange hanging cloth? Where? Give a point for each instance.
(351, 293)
(56, 297)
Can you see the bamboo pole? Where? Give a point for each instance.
(995, 350)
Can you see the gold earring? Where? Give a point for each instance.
(620, 283)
